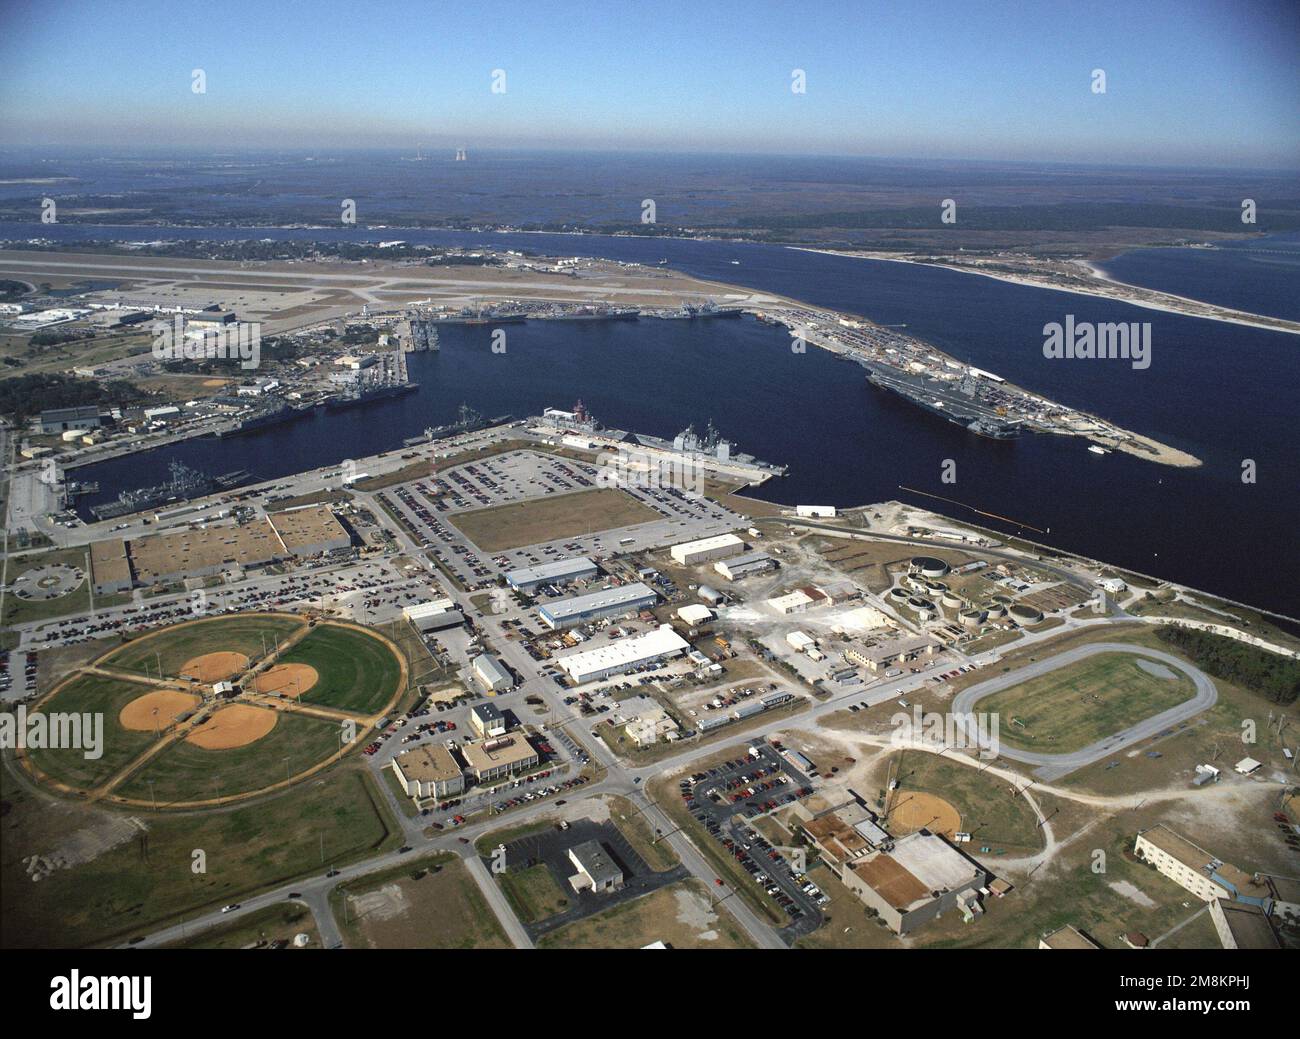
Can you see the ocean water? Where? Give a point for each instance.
(1222, 392)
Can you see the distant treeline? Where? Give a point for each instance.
(1273, 676)
(198, 249)
(26, 395)
(1063, 217)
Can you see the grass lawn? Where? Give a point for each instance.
(502, 527)
(94, 694)
(678, 915)
(532, 893)
(989, 812)
(257, 930)
(238, 633)
(1084, 702)
(186, 772)
(357, 671)
(431, 903)
(149, 880)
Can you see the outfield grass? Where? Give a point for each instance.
(94, 694)
(502, 527)
(186, 772)
(990, 812)
(357, 672)
(150, 881)
(1081, 703)
(237, 633)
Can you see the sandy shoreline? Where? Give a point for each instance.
(1155, 300)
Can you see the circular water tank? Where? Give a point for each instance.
(929, 566)
(1022, 614)
(972, 618)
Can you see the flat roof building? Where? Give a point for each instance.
(429, 770)
(596, 870)
(560, 571)
(1241, 925)
(921, 876)
(1195, 869)
(310, 531)
(688, 553)
(607, 602)
(487, 720)
(591, 665)
(899, 651)
(204, 551)
(1067, 937)
(498, 757)
(110, 567)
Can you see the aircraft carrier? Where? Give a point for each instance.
(962, 401)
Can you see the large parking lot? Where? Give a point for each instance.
(426, 507)
(722, 798)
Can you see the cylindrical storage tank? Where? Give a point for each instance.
(952, 600)
(898, 594)
(1022, 614)
(996, 610)
(928, 566)
(972, 618)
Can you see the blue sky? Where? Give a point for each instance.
(1189, 82)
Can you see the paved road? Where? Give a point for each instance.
(1053, 766)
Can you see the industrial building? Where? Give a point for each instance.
(434, 616)
(596, 870)
(499, 757)
(793, 602)
(591, 665)
(310, 531)
(429, 771)
(591, 606)
(694, 615)
(110, 567)
(745, 566)
(561, 571)
(487, 720)
(490, 673)
(889, 654)
(722, 546)
(60, 420)
(921, 876)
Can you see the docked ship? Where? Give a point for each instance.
(691, 312)
(260, 419)
(369, 395)
(384, 382)
(182, 484)
(596, 314)
(958, 401)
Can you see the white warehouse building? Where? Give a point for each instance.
(608, 602)
(560, 571)
(720, 547)
(591, 665)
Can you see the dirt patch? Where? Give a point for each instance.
(214, 667)
(912, 810)
(139, 715)
(291, 680)
(235, 726)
